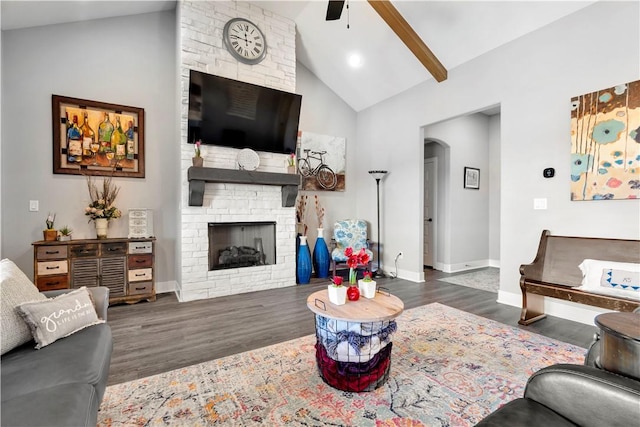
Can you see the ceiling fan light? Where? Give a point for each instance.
(355, 60)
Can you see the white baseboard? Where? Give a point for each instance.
(558, 308)
(464, 266)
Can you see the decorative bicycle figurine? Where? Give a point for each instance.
(323, 173)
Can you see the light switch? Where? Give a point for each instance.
(539, 204)
(34, 206)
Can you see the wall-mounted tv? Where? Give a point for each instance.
(232, 113)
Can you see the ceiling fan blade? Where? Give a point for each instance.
(334, 9)
(411, 39)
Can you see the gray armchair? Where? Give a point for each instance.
(100, 295)
(572, 395)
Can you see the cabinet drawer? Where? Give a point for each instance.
(140, 247)
(87, 250)
(51, 252)
(133, 222)
(140, 261)
(137, 213)
(113, 249)
(139, 288)
(50, 283)
(47, 268)
(140, 275)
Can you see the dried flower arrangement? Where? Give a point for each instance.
(319, 211)
(101, 205)
(301, 207)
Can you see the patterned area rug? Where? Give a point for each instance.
(448, 368)
(486, 280)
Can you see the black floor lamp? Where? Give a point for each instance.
(378, 175)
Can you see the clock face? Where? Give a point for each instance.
(245, 41)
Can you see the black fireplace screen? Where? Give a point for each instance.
(241, 244)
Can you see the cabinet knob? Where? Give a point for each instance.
(53, 268)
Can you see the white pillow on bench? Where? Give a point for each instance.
(621, 279)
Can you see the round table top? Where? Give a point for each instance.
(626, 325)
(383, 307)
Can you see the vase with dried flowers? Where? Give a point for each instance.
(197, 159)
(337, 292)
(291, 163)
(50, 233)
(321, 256)
(101, 209)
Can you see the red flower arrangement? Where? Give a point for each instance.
(353, 259)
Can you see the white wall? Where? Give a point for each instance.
(1, 255)
(125, 60)
(533, 80)
(464, 233)
(494, 190)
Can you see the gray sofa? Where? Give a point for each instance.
(63, 383)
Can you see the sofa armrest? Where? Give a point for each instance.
(100, 296)
(585, 395)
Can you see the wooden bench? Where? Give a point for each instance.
(555, 273)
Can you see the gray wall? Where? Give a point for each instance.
(125, 60)
(532, 79)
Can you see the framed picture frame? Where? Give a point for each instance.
(97, 138)
(472, 178)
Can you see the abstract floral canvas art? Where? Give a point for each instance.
(605, 144)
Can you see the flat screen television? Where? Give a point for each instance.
(232, 113)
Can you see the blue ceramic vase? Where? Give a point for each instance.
(304, 262)
(321, 256)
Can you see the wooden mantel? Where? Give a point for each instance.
(198, 176)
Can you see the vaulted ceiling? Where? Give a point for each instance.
(455, 31)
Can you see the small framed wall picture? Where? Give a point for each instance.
(472, 178)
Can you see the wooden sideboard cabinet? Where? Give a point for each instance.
(125, 266)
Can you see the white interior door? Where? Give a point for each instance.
(430, 198)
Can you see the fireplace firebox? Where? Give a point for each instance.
(241, 244)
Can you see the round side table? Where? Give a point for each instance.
(620, 347)
(353, 341)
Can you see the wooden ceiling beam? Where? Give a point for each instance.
(411, 39)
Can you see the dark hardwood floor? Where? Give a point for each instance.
(150, 338)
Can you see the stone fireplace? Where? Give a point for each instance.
(201, 49)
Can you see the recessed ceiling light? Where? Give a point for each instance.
(355, 60)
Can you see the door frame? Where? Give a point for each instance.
(434, 211)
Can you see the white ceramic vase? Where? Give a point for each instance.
(367, 289)
(337, 294)
(101, 227)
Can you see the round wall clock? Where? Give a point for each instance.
(244, 40)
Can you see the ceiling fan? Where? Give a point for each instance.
(403, 30)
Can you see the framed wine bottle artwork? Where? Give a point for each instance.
(97, 138)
